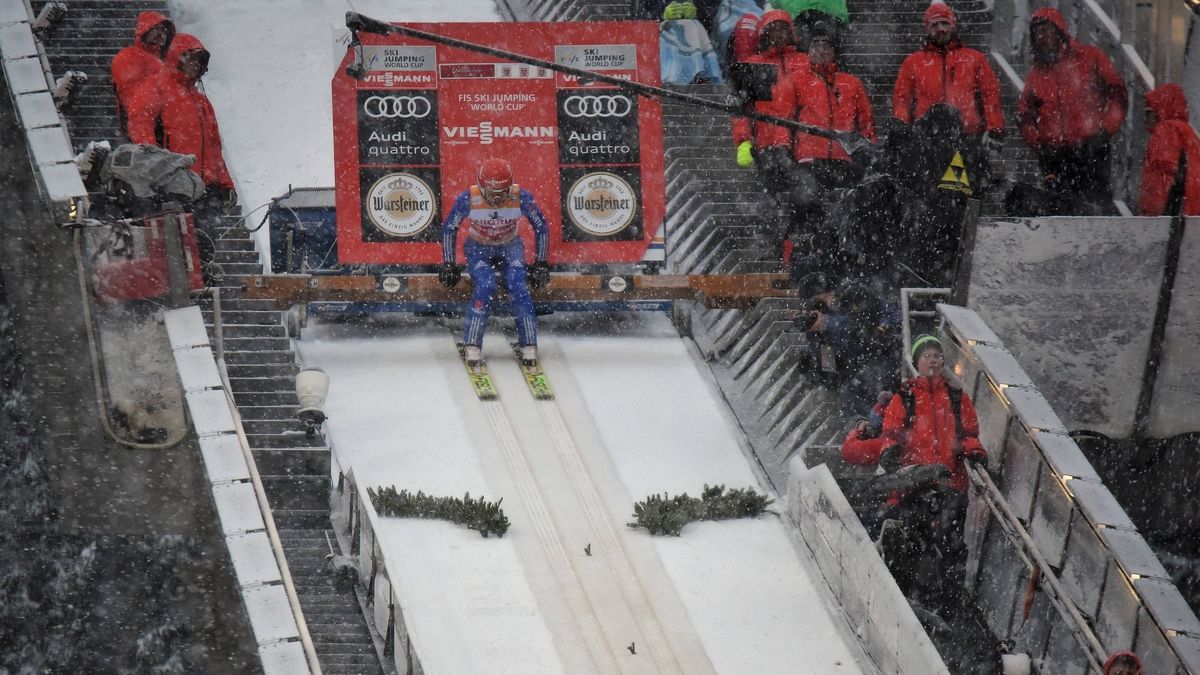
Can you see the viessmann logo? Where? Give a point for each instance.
(400, 204)
(487, 132)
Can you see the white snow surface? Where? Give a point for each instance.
(636, 414)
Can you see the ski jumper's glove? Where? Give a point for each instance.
(745, 155)
(449, 274)
(539, 274)
(679, 10)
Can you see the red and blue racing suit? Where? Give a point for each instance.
(493, 244)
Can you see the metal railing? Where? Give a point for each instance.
(260, 494)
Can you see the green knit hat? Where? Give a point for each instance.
(921, 343)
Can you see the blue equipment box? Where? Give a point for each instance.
(303, 226)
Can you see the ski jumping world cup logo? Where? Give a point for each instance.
(400, 205)
(601, 203)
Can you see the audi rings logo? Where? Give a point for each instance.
(410, 107)
(613, 105)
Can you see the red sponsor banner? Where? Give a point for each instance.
(409, 137)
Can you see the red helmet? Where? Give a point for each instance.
(495, 174)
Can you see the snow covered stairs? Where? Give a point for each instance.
(882, 34)
(295, 469)
(87, 39)
(717, 214)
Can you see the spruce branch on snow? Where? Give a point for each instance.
(477, 514)
(663, 514)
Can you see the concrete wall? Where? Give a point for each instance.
(1106, 568)
(356, 519)
(1074, 300)
(876, 609)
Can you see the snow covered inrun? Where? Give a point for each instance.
(635, 415)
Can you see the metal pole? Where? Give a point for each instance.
(1066, 608)
(1141, 419)
(358, 22)
(177, 279)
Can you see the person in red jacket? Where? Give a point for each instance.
(142, 60)
(754, 140)
(934, 432)
(743, 39)
(189, 123)
(826, 97)
(1072, 104)
(1171, 170)
(174, 103)
(946, 71)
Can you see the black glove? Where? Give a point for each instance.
(449, 274)
(539, 274)
(889, 459)
(993, 142)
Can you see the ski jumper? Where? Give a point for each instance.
(492, 244)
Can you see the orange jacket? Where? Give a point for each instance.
(139, 61)
(788, 60)
(956, 75)
(1077, 97)
(189, 123)
(1170, 140)
(932, 438)
(825, 97)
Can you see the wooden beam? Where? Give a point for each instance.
(721, 291)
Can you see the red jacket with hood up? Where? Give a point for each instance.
(788, 60)
(933, 438)
(1068, 101)
(1171, 140)
(189, 123)
(954, 74)
(139, 61)
(825, 97)
(1108, 663)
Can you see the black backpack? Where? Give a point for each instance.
(910, 407)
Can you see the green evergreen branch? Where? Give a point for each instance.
(476, 514)
(663, 514)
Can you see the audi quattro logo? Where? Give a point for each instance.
(391, 107)
(602, 105)
(601, 203)
(400, 204)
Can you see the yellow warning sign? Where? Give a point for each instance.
(955, 177)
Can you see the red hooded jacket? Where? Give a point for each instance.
(139, 61)
(789, 61)
(189, 123)
(954, 74)
(743, 39)
(1073, 99)
(1171, 139)
(825, 97)
(933, 438)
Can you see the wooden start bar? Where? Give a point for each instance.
(716, 291)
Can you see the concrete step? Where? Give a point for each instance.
(297, 491)
(284, 440)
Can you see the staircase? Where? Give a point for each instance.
(883, 33)
(295, 469)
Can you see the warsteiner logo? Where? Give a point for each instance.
(400, 204)
(601, 203)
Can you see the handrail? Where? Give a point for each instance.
(264, 506)
(1025, 547)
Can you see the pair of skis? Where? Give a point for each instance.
(485, 389)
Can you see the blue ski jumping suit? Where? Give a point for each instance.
(492, 244)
